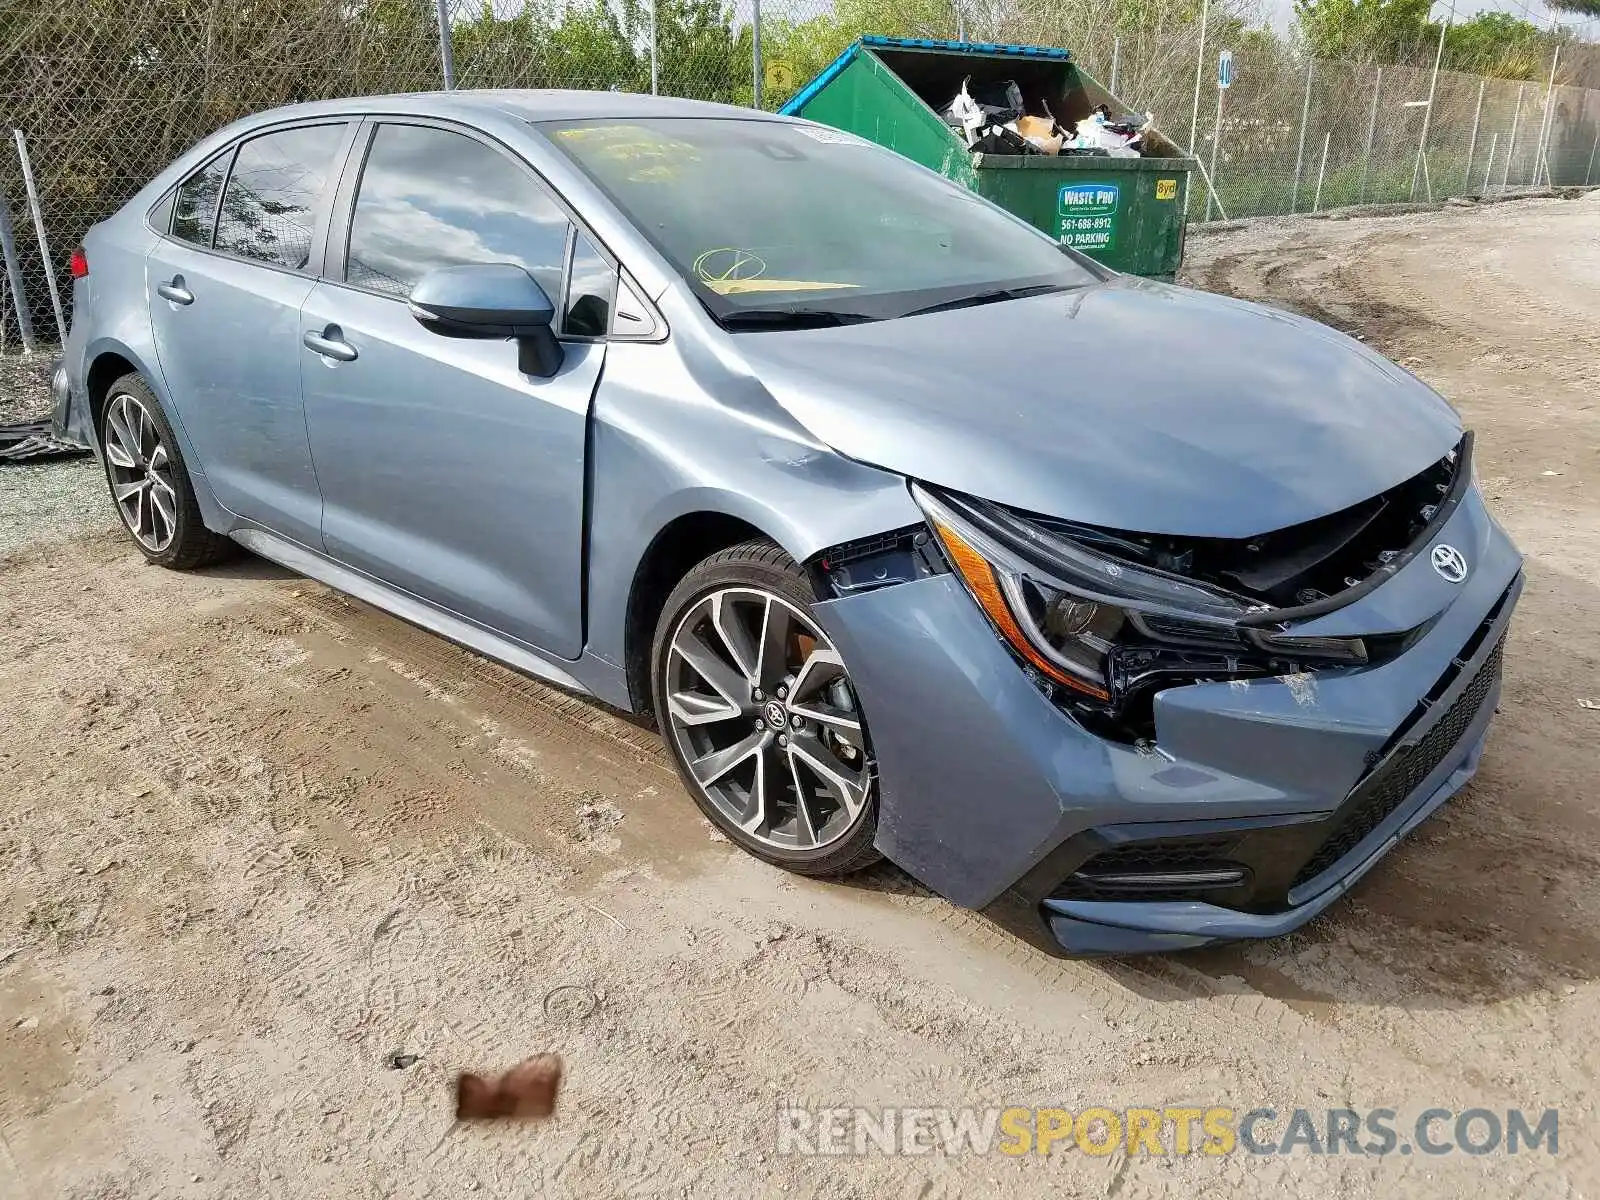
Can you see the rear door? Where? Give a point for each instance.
(225, 288)
(444, 470)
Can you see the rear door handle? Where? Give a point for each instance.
(330, 343)
(175, 291)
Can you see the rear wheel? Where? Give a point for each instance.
(149, 482)
(758, 709)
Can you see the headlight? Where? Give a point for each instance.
(1086, 620)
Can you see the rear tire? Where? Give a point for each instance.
(758, 710)
(149, 482)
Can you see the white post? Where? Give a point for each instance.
(1588, 171)
(1472, 146)
(1427, 113)
(1488, 170)
(1316, 204)
(1372, 129)
(19, 290)
(447, 53)
(1300, 154)
(1216, 137)
(1199, 74)
(38, 230)
(1511, 146)
(655, 67)
(755, 47)
(1116, 61)
(1542, 162)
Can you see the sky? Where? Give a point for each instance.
(1280, 14)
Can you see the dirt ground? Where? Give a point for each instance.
(257, 840)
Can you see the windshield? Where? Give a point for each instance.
(775, 223)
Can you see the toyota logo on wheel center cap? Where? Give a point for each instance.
(774, 714)
(1449, 562)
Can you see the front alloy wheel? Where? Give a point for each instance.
(762, 716)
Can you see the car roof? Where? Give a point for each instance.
(528, 104)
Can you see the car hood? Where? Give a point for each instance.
(1130, 404)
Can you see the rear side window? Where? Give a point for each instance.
(432, 198)
(196, 206)
(269, 209)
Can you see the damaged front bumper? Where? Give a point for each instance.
(1260, 803)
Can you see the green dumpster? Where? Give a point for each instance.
(1127, 213)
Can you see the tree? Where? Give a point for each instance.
(1365, 30)
(1497, 44)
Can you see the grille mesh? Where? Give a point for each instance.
(1403, 774)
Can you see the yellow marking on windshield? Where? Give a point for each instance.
(740, 287)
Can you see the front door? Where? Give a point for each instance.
(444, 470)
(226, 285)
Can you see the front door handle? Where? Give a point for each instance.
(175, 291)
(330, 343)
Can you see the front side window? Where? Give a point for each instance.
(797, 220)
(195, 210)
(433, 198)
(269, 209)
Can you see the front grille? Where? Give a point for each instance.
(1397, 779)
(1148, 858)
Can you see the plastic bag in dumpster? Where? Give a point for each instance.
(1119, 139)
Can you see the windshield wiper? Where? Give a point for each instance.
(790, 318)
(990, 297)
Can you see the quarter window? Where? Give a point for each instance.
(196, 208)
(432, 198)
(269, 209)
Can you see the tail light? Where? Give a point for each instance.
(78, 264)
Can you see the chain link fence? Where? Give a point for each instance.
(96, 96)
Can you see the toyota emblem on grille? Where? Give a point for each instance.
(1450, 563)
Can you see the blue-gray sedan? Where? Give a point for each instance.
(1152, 616)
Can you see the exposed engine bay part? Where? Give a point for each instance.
(1103, 619)
(866, 564)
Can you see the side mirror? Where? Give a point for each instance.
(491, 300)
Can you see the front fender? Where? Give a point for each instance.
(660, 450)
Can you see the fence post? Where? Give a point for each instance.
(1427, 113)
(19, 292)
(655, 68)
(1372, 129)
(1116, 61)
(1472, 146)
(1489, 169)
(1199, 74)
(755, 47)
(1316, 203)
(1590, 169)
(1300, 154)
(1216, 137)
(1511, 146)
(38, 230)
(1541, 161)
(447, 51)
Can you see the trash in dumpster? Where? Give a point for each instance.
(1024, 127)
(993, 118)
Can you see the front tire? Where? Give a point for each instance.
(149, 483)
(759, 712)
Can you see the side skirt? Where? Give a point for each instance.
(405, 606)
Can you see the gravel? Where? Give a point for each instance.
(45, 501)
(25, 387)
